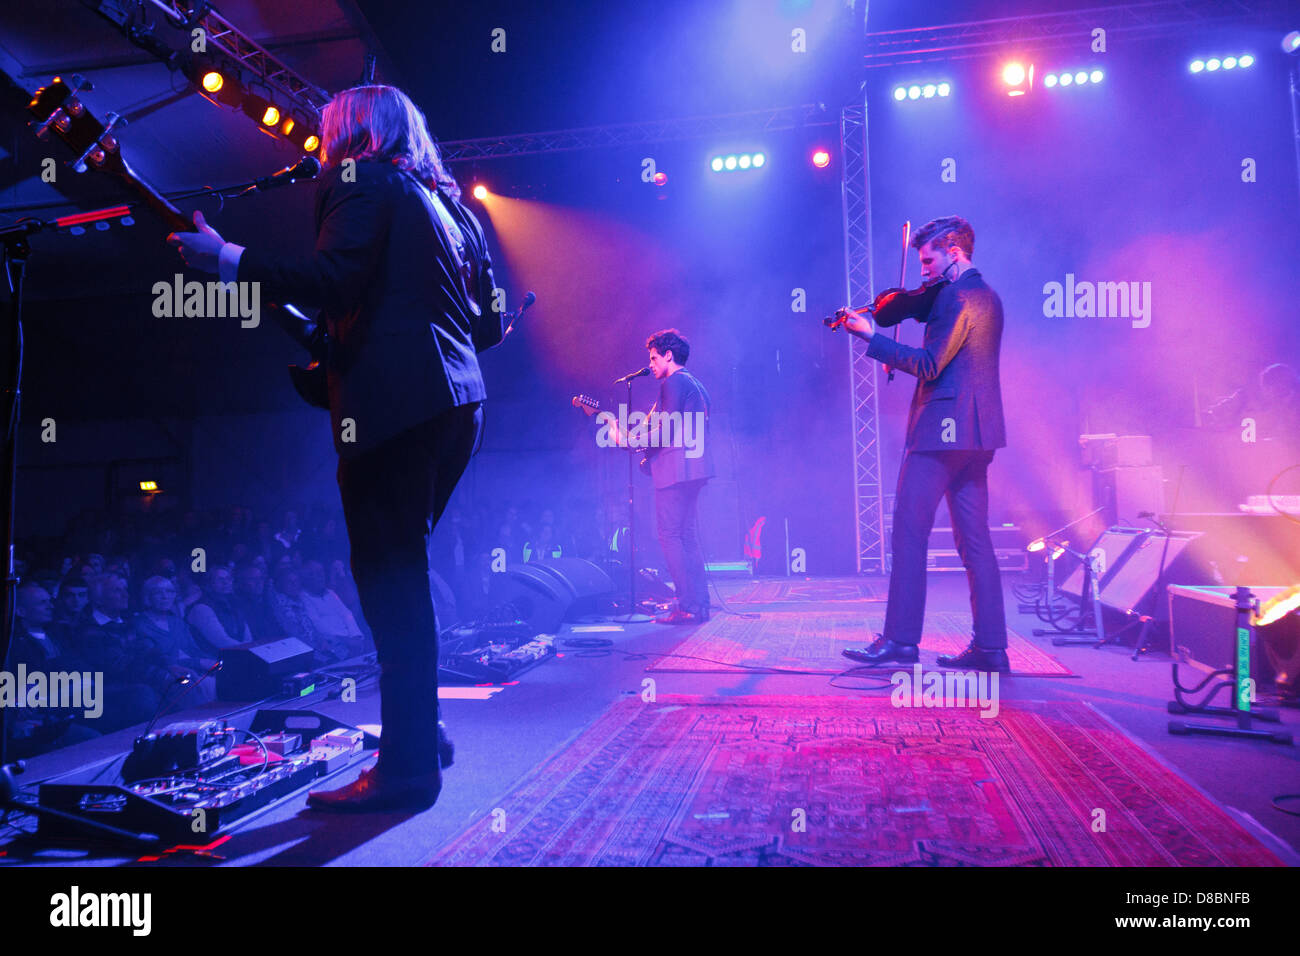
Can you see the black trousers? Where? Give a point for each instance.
(961, 477)
(392, 497)
(676, 516)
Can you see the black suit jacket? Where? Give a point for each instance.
(404, 331)
(958, 393)
(673, 461)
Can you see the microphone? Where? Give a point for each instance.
(529, 299)
(307, 168)
(631, 375)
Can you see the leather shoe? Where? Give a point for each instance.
(446, 749)
(679, 616)
(977, 658)
(375, 791)
(881, 651)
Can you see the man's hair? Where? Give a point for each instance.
(670, 340)
(381, 123)
(945, 232)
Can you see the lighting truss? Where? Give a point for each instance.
(627, 134)
(1047, 31)
(868, 493)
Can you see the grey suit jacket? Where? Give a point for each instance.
(957, 404)
(685, 453)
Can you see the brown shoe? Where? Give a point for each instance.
(375, 791)
(678, 617)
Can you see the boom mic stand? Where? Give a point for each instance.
(633, 616)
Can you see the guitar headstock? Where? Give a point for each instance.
(586, 403)
(58, 109)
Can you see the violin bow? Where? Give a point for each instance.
(902, 283)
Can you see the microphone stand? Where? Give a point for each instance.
(633, 616)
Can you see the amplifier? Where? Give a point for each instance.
(1203, 627)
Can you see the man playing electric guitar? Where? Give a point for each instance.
(679, 460)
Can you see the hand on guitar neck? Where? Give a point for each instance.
(590, 407)
(201, 247)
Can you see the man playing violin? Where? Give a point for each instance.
(954, 426)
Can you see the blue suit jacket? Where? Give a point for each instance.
(958, 394)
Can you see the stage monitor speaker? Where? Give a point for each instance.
(1114, 544)
(254, 671)
(585, 579)
(533, 593)
(1129, 587)
(1131, 567)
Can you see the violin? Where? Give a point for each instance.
(893, 306)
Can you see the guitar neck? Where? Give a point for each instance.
(172, 217)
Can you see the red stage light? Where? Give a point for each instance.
(661, 178)
(821, 159)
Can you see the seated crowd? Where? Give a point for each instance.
(149, 623)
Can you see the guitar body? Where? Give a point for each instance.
(590, 407)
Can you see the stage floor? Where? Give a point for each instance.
(503, 739)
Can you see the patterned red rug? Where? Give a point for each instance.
(843, 781)
(795, 591)
(812, 641)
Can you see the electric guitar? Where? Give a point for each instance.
(58, 110)
(591, 406)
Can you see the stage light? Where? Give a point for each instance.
(928, 91)
(744, 161)
(821, 159)
(1229, 62)
(944, 89)
(900, 92)
(480, 192)
(1096, 76)
(287, 126)
(1018, 77)
(1066, 79)
(759, 159)
(1212, 64)
(1049, 80)
(913, 92)
(730, 162)
(1245, 61)
(1038, 544)
(1081, 77)
(311, 143)
(716, 165)
(149, 486)
(660, 178)
(1197, 66)
(1278, 607)
(213, 81)
(1291, 42)
(270, 116)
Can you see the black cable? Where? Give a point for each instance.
(1286, 796)
(1269, 492)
